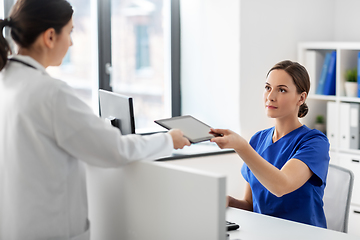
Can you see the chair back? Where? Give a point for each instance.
(337, 197)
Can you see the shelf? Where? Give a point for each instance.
(322, 97)
(334, 98)
(349, 99)
(330, 45)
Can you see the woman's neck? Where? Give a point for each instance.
(35, 54)
(283, 127)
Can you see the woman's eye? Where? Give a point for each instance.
(282, 90)
(267, 88)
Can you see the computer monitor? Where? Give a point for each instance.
(118, 109)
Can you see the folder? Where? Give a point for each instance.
(331, 126)
(330, 84)
(321, 83)
(313, 65)
(344, 126)
(354, 125)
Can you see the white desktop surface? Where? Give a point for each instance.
(254, 226)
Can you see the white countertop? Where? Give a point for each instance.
(254, 226)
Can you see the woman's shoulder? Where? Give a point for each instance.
(313, 133)
(311, 136)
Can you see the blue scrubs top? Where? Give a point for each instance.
(305, 204)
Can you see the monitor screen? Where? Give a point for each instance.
(119, 109)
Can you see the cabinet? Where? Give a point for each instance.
(312, 56)
(354, 219)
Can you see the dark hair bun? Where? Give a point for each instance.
(303, 110)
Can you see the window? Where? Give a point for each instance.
(2, 9)
(129, 42)
(79, 66)
(140, 36)
(142, 48)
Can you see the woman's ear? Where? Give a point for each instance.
(302, 98)
(49, 37)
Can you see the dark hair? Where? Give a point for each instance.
(29, 18)
(300, 77)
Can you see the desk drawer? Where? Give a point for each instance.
(354, 220)
(352, 162)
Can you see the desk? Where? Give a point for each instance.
(254, 226)
(196, 150)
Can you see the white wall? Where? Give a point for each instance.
(210, 61)
(228, 46)
(347, 20)
(270, 31)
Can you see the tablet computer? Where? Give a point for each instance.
(193, 129)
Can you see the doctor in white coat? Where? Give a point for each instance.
(47, 133)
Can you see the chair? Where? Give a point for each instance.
(337, 197)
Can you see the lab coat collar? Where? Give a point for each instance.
(31, 61)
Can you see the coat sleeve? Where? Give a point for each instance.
(91, 139)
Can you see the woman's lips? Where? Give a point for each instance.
(271, 107)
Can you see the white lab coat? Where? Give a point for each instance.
(44, 131)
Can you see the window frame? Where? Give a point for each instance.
(7, 7)
(104, 43)
(104, 48)
(175, 58)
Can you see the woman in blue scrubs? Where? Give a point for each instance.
(285, 166)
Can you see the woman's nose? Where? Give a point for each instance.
(271, 96)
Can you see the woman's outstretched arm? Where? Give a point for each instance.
(290, 177)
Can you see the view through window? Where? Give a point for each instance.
(2, 9)
(140, 36)
(79, 67)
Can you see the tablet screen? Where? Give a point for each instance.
(193, 129)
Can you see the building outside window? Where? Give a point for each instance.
(140, 40)
(142, 47)
(79, 66)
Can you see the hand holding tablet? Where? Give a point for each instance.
(193, 129)
(179, 140)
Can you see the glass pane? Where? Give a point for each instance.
(141, 58)
(79, 67)
(2, 9)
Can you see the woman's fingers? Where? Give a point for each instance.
(220, 131)
(220, 141)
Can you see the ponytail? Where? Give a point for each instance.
(303, 110)
(4, 45)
